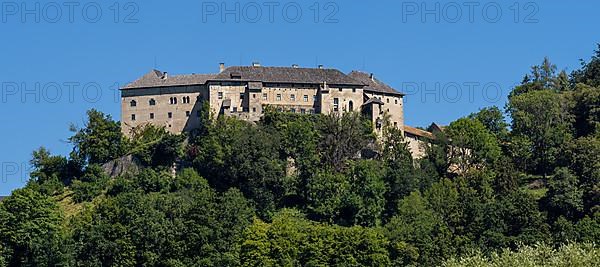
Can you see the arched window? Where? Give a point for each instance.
(350, 106)
(133, 103)
(152, 102)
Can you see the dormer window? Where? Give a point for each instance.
(133, 103)
(235, 75)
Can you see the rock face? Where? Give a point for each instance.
(122, 165)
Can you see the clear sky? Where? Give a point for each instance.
(59, 59)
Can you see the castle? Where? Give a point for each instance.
(175, 102)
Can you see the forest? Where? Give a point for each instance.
(323, 190)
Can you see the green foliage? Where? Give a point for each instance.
(191, 226)
(291, 240)
(100, 140)
(584, 101)
(472, 145)
(586, 254)
(564, 197)
(31, 233)
(90, 185)
(541, 118)
(589, 73)
(344, 136)
(155, 146)
(493, 120)
(366, 202)
(418, 235)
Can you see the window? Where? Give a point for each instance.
(220, 95)
(350, 106)
(388, 100)
(395, 124)
(293, 110)
(303, 111)
(173, 100)
(234, 109)
(186, 100)
(293, 97)
(151, 116)
(336, 103)
(340, 89)
(187, 113)
(278, 97)
(242, 96)
(152, 102)
(264, 96)
(314, 98)
(170, 115)
(305, 98)
(396, 101)
(353, 90)
(132, 117)
(254, 110)
(133, 103)
(253, 95)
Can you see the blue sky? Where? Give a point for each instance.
(59, 60)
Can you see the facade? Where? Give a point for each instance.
(244, 91)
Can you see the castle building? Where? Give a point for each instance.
(175, 101)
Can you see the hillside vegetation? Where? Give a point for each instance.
(316, 190)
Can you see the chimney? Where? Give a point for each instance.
(295, 66)
(256, 64)
(372, 77)
(165, 76)
(320, 66)
(221, 67)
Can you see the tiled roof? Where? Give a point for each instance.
(372, 83)
(156, 78)
(286, 75)
(418, 132)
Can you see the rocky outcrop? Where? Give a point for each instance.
(122, 165)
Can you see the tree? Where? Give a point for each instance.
(589, 73)
(472, 145)
(417, 235)
(291, 240)
(493, 120)
(582, 158)
(344, 136)
(31, 233)
(564, 197)
(573, 254)
(585, 106)
(541, 118)
(100, 140)
(366, 201)
(400, 175)
(90, 185)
